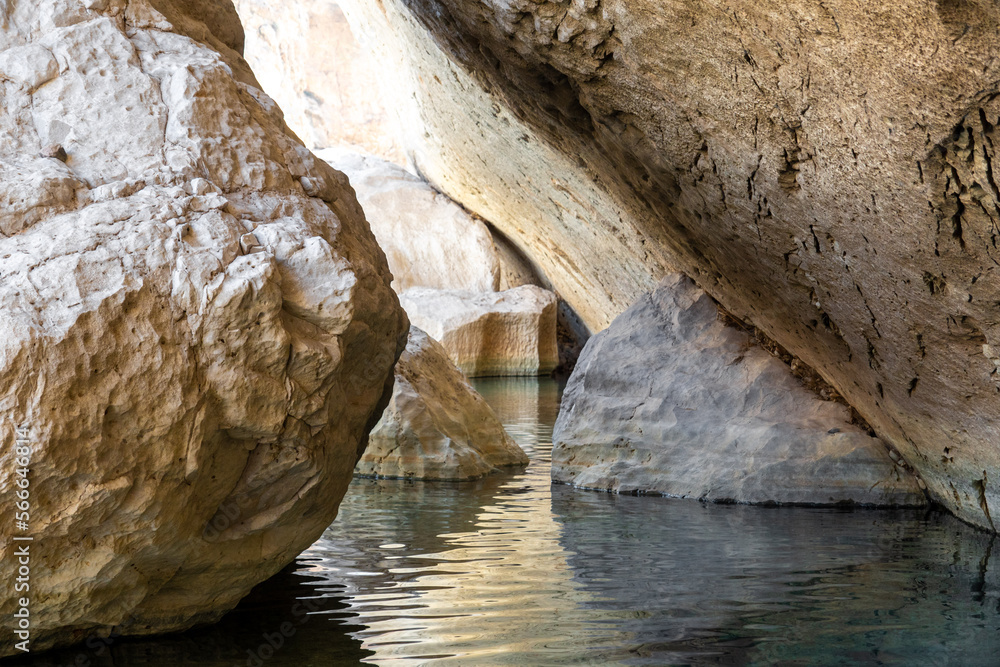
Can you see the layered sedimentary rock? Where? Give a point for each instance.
(306, 58)
(436, 426)
(490, 333)
(824, 170)
(429, 240)
(197, 325)
(670, 400)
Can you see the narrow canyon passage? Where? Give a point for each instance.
(499, 332)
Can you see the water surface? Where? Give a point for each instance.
(513, 571)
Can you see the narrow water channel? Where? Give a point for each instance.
(513, 571)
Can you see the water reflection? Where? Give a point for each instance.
(510, 570)
(513, 571)
(284, 621)
(470, 573)
(745, 585)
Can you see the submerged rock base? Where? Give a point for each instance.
(436, 426)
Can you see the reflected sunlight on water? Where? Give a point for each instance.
(512, 571)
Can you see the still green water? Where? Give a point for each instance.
(513, 571)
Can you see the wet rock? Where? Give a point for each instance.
(670, 400)
(490, 333)
(429, 240)
(436, 426)
(190, 404)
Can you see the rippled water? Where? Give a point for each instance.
(513, 571)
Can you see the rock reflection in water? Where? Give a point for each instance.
(469, 571)
(691, 582)
(512, 571)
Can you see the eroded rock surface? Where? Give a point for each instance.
(671, 400)
(436, 426)
(197, 325)
(490, 333)
(824, 170)
(429, 240)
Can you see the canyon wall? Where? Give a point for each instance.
(823, 169)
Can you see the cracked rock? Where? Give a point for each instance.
(194, 401)
(490, 333)
(670, 400)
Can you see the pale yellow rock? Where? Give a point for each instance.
(307, 59)
(436, 426)
(191, 344)
(429, 240)
(490, 333)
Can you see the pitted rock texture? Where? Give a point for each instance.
(197, 325)
(490, 333)
(436, 426)
(672, 401)
(306, 58)
(429, 240)
(824, 170)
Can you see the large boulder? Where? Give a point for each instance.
(671, 400)
(307, 59)
(490, 333)
(429, 240)
(824, 170)
(198, 328)
(436, 426)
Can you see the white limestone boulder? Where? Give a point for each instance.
(670, 400)
(197, 325)
(437, 427)
(429, 240)
(490, 333)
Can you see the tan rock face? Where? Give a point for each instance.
(429, 240)
(307, 59)
(197, 325)
(824, 171)
(670, 400)
(436, 426)
(490, 333)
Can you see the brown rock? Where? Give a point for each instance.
(54, 151)
(490, 333)
(192, 348)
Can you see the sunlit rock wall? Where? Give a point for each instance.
(307, 59)
(824, 170)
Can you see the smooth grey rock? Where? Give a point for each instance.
(670, 400)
